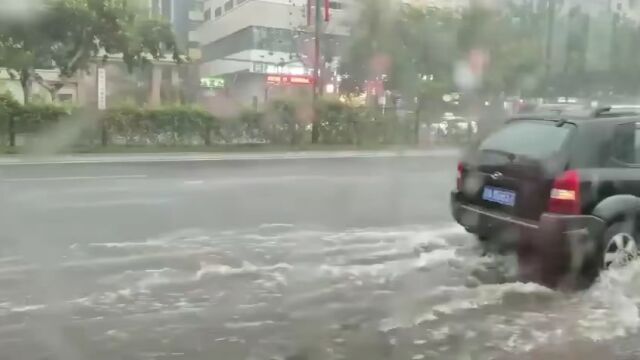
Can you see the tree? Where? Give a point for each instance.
(513, 39)
(424, 71)
(372, 42)
(409, 47)
(69, 34)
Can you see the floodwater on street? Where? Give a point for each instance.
(278, 290)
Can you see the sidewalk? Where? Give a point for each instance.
(192, 157)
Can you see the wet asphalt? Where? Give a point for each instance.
(325, 258)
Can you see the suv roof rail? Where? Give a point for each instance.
(616, 111)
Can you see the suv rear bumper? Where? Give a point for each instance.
(483, 222)
(563, 242)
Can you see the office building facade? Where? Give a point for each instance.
(263, 46)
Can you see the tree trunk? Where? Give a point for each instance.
(416, 127)
(104, 133)
(315, 129)
(26, 90)
(25, 79)
(12, 132)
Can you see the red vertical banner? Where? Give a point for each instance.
(326, 10)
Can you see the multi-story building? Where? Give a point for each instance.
(185, 16)
(263, 46)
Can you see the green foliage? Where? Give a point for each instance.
(28, 118)
(513, 42)
(282, 122)
(412, 49)
(35, 117)
(249, 126)
(424, 43)
(69, 34)
(9, 108)
(175, 125)
(339, 123)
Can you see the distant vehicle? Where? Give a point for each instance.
(454, 128)
(564, 190)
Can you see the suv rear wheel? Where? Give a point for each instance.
(620, 245)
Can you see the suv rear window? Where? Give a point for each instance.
(534, 139)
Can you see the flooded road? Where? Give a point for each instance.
(175, 261)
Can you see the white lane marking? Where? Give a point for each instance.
(108, 203)
(75, 178)
(194, 182)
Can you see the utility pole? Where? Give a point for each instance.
(317, 82)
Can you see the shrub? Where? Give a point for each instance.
(283, 121)
(248, 127)
(283, 124)
(125, 124)
(181, 125)
(9, 108)
(174, 125)
(253, 125)
(338, 122)
(32, 118)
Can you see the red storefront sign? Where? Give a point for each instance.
(289, 79)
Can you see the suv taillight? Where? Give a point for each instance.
(459, 176)
(565, 194)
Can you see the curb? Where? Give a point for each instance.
(200, 157)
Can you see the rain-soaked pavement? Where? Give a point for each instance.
(273, 259)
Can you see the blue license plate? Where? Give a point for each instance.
(500, 196)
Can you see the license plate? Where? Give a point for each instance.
(500, 196)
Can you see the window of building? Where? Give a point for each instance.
(231, 44)
(240, 1)
(273, 39)
(207, 15)
(198, 6)
(335, 5)
(228, 5)
(218, 12)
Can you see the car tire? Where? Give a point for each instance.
(619, 245)
(598, 262)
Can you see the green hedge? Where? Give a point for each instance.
(340, 123)
(35, 117)
(20, 119)
(283, 122)
(176, 125)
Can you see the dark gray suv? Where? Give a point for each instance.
(563, 189)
